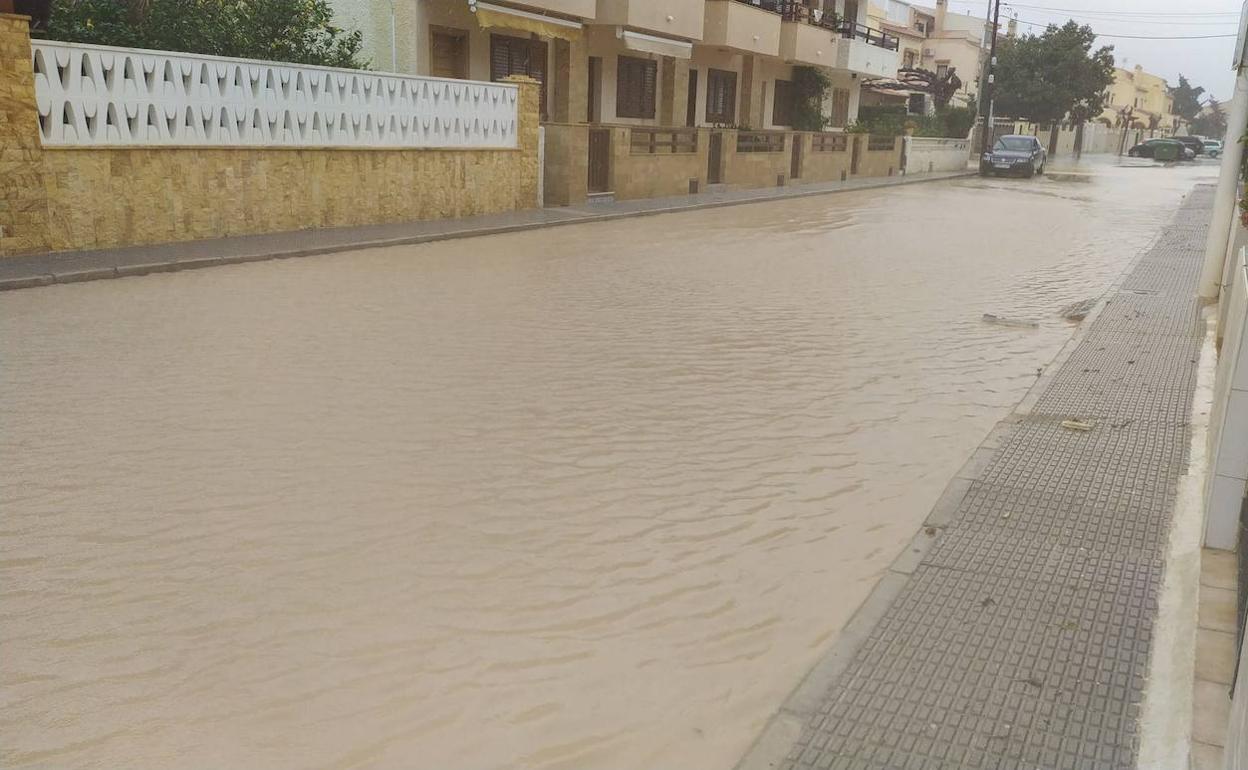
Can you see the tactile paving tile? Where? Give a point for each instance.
(1029, 519)
(1022, 640)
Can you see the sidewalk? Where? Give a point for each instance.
(68, 267)
(1016, 630)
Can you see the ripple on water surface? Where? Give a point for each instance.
(594, 496)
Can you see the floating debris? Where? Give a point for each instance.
(1082, 425)
(1001, 321)
(1077, 311)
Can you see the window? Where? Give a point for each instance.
(912, 58)
(917, 105)
(448, 53)
(840, 108)
(519, 56)
(782, 104)
(634, 87)
(942, 69)
(721, 96)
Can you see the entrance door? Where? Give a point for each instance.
(856, 144)
(599, 160)
(448, 53)
(795, 166)
(691, 109)
(715, 159)
(593, 113)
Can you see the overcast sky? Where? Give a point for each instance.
(1204, 62)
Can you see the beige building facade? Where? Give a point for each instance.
(720, 71)
(936, 39)
(1141, 100)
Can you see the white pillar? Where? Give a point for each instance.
(1224, 202)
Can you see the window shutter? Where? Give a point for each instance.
(635, 84)
(721, 96)
(500, 57)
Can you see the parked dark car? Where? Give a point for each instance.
(1195, 145)
(1014, 154)
(1148, 149)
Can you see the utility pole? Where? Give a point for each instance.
(991, 84)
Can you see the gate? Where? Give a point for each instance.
(795, 167)
(715, 159)
(599, 160)
(856, 153)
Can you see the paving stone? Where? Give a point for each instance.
(1022, 638)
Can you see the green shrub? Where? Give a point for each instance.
(296, 31)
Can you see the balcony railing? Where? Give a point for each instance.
(794, 10)
(850, 31)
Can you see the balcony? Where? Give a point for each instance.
(867, 51)
(804, 38)
(743, 26)
(810, 37)
(671, 18)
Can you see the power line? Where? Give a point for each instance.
(1094, 12)
(1133, 37)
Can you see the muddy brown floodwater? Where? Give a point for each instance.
(589, 497)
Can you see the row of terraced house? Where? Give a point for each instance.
(645, 98)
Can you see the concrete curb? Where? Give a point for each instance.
(771, 748)
(164, 258)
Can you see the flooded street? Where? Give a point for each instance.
(595, 496)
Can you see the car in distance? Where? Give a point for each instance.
(1213, 148)
(1195, 145)
(1148, 149)
(1014, 154)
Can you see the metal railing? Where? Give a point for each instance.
(663, 141)
(824, 142)
(851, 31)
(760, 141)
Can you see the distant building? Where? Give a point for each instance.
(933, 39)
(1139, 99)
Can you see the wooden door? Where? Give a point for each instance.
(599, 160)
(715, 159)
(593, 112)
(691, 108)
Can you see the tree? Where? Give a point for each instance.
(1211, 121)
(941, 87)
(298, 31)
(1046, 77)
(1186, 99)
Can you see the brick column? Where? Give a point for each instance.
(751, 112)
(528, 116)
(23, 192)
(570, 84)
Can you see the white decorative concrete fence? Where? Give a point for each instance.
(924, 154)
(99, 96)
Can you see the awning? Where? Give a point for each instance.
(490, 15)
(663, 46)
